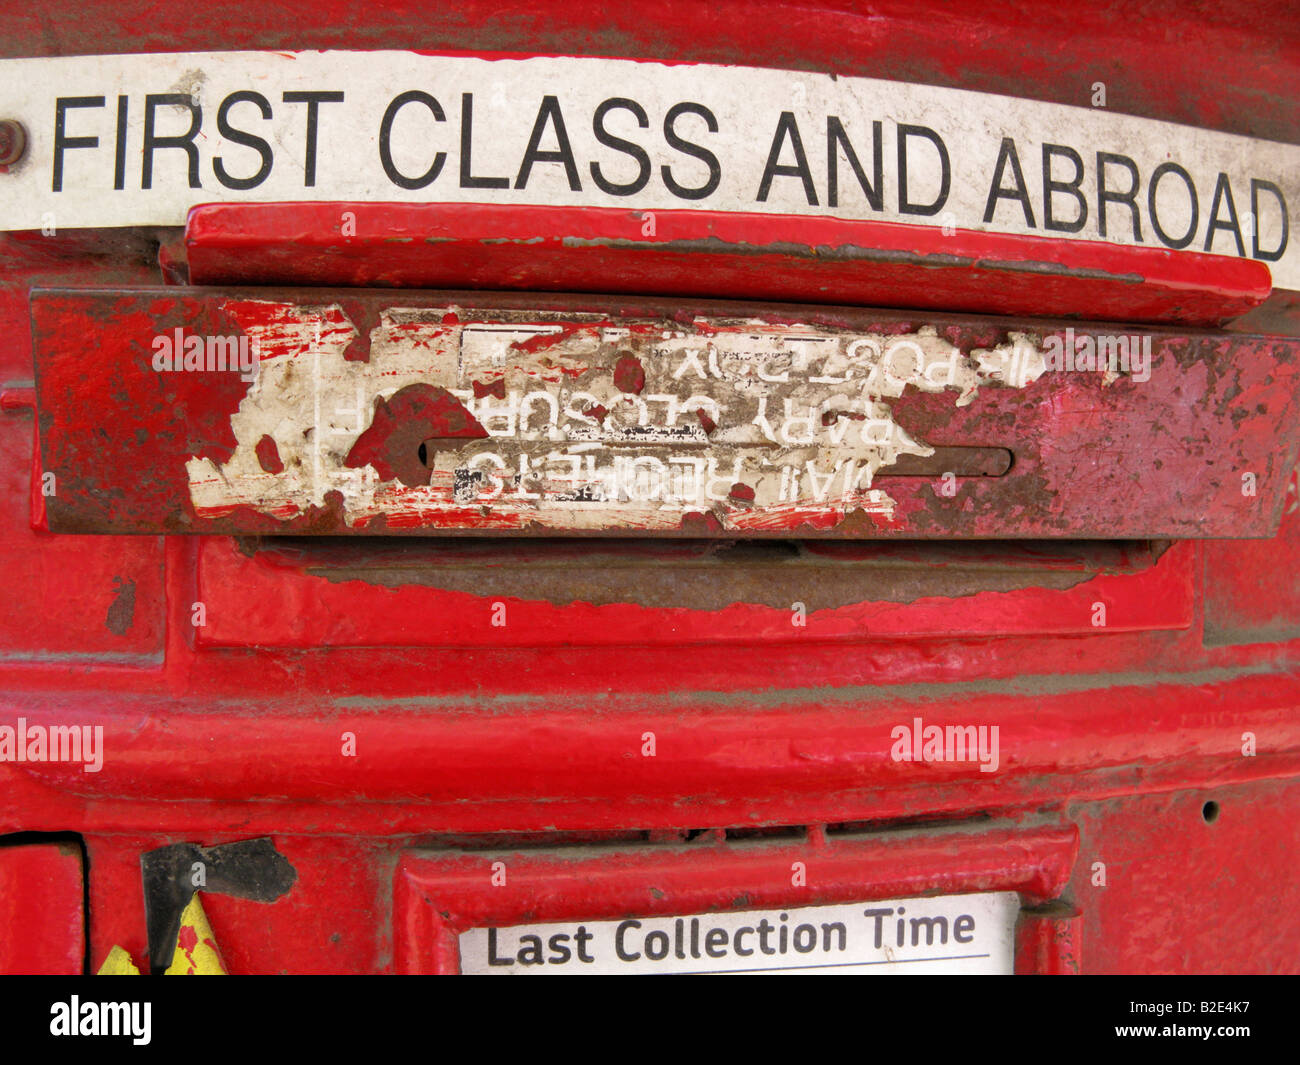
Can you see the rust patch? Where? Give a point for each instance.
(121, 613)
(366, 317)
(830, 417)
(413, 420)
(495, 388)
(717, 574)
(268, 455)
(629, 374)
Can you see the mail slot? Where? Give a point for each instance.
(975, 903)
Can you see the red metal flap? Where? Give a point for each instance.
(712, 254)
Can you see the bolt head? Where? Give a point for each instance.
(13, 141)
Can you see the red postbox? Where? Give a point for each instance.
(562, 492)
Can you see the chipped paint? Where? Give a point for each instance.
(197, 953)
(519, 378)
(121, 613)
(509, 420)
(118, 963)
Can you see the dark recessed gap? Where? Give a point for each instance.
(1210, 812)
(768, 832)
(705, 574)
(1109, 555)
(938, 820)
(740, 551)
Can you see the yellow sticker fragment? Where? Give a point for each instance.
(118, 963)
(196, 947)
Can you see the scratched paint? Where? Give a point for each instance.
(512, 420)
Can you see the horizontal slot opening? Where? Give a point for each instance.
(706, 574)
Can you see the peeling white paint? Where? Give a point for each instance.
(796, 415)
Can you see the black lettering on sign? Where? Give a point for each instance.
(119, 152)
(61, 139)
(313, 100)
(386, 135)
(530, 950)
(623, 928)
(1051, 187)
(1156, 175)
(493, 957)
(1267, 186)
(905, 205)
(679, 143)
(249, 140)
(836, 141)
(549, 114)
(619, 144)
(582, 937)
(467, 178)
(963, 929)
(1107, 195)
(1223, 192)
(787, 128)
(1007, 157)
(183, 141)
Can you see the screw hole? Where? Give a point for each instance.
(1210, 811)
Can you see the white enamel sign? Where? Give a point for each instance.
(950, 934)
(139, 139)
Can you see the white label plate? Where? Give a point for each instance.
(773, 397)
(705, 136)
(953, 934)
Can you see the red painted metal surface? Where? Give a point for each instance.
(1048, 942)
(473, 739)
(592, 594)
(703, 253)
(1167, 905)
(741, 758)
(42, 909)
